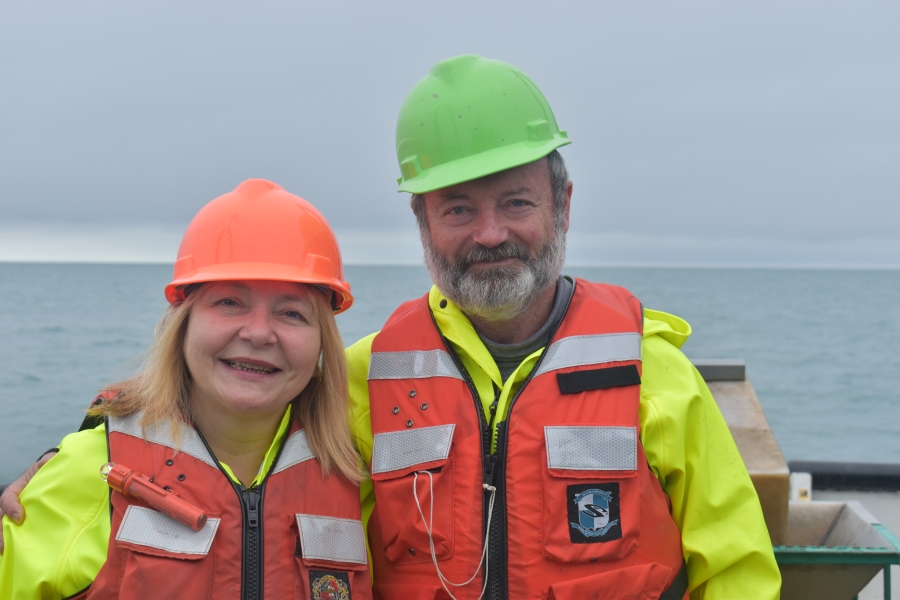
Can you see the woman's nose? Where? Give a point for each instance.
(258, 329)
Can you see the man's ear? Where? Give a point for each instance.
(568, 205)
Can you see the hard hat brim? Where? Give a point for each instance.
(341, 299)
(481, 165)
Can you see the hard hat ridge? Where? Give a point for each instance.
(259, 231)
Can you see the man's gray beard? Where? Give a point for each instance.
(501, 293)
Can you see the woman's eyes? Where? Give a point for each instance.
(295, 315)
(288, 313)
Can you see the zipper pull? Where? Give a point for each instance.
(493, 407)
(252, 507)
(490, 469)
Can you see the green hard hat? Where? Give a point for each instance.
(470, 117)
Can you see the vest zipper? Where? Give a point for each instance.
(251, 500)
(251, 506)
(498, 552)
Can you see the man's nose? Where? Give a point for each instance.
(490, 231)
(258, 329)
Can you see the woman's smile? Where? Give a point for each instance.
(251, 366)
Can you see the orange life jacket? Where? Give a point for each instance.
(297, 535)
(578, 512)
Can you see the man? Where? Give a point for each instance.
(529, 435)
(498, 413)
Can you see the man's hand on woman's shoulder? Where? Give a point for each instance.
(9, 500)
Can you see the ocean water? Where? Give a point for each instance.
(822, 346)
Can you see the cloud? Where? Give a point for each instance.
(764, 120)
(57, 243)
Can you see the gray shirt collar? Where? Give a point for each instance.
(509, 356)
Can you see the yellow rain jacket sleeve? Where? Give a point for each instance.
(59, 549)
(688, 445)
(61, 546)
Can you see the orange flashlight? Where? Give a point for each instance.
(127, 482)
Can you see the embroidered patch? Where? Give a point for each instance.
(329, 585)
(593, 513)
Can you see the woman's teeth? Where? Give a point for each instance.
(247, 367)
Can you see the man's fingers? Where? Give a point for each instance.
(9, 501)
(42, 461)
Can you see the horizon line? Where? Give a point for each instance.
(730, 266)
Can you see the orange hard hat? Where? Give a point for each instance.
(260, 232)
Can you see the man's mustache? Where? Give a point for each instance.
(481, 253)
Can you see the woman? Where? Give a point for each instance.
(240, 412)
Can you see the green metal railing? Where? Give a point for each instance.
(846, 555)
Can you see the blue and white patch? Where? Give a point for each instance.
(593, 511)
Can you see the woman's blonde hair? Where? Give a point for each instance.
(161, 391)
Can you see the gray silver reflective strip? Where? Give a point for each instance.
(416, 364)
(582, 350)
(146, 527)
(161, 433)
(591, 448)
(331, 538)
(296, 450)
(397, 450)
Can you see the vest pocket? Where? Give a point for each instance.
(413, 479)
(155, 542)
(409, 503)
(640, 582)
(591, 495)
(330, 558)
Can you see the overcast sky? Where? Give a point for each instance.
(704, 132)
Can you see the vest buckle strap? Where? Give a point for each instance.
(591, 448)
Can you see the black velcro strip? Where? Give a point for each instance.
(92, 421)
(679, 586)
(598, 379)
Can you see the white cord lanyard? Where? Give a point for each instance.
(429, 527)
